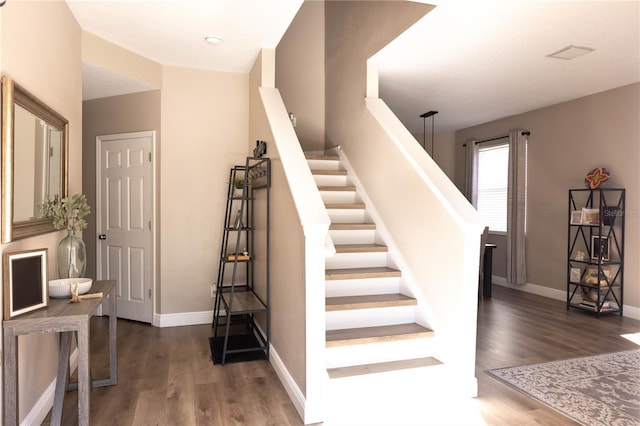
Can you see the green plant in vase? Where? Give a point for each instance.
(68, 213)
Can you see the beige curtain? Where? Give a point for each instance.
(517, 208)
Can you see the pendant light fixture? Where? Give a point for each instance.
(424, 131)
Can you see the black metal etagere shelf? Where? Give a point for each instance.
(595, 250)
(241, 306)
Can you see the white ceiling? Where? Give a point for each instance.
(473, 61)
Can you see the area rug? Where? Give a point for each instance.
(240, 341)
(601, 390)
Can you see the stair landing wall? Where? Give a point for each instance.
(434, 230)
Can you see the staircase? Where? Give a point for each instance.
(372, 338)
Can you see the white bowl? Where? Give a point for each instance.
(62, 288)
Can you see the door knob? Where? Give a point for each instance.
(102, 236)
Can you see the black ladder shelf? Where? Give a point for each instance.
(241, 316)
(595, 259)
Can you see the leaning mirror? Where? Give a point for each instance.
(34, 161)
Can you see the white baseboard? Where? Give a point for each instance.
(552, 293)
(182, 318)
(43, 405)
(294, 392)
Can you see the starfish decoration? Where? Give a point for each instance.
(596, 177)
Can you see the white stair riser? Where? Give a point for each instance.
(371, 353)
(330, 180)
(353, 236)
(340, 288)
(345, 197)
(347, 215)
(357, 318)
(356, 260)
(325, 165)
(415, 397)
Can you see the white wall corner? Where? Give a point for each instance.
(372, 79)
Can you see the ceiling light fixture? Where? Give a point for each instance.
(570, 52)
(213, 39)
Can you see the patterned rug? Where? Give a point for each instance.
(593, 391)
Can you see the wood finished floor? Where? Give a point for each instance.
(166, 376)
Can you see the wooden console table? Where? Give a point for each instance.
(66, 319)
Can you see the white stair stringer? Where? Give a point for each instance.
(374, 345)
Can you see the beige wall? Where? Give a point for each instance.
(444, 148)
(205, 121)
(107, 55)
(287, 248)
(300, 74)
(401, 180)
(117, 114)
(40, 50)
(567, 141)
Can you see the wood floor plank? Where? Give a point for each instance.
(357, 370)
(514, 328)
(376, 334)
(360, 248)
(357, 273)
(351, 226)
(368, 301)
(329, 172)
(346, 188)
(344, 206)
(322, 157)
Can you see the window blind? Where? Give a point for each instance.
(493, 180)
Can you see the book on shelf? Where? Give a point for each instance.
(604, 305)
(232, 256)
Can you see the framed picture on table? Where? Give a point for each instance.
(599, 248)
(25, 282)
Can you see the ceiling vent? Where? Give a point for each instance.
(570, 52)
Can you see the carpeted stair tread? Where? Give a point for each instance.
(360, 273)
(381, 367)
(368, 301)
(386, 333)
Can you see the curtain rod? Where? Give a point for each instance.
(498, 138)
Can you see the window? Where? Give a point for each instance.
(493, 181)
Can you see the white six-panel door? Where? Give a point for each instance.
(125, 220)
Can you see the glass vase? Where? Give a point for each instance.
(72, 256)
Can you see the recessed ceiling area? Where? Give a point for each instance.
(473, 61)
